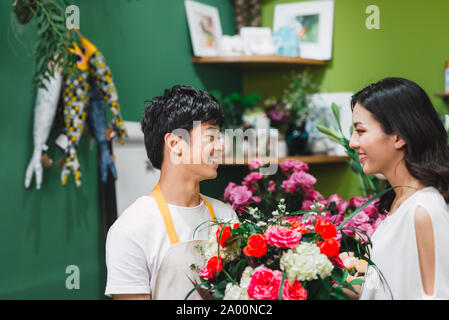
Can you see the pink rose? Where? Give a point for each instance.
(256, 199)
(252, 178)
(294, 291)
(264, 284)
(256, 164)
(360, 218)
(304, 179)
(357, 201)
(282, 237)
(334, 198)
(271, 186)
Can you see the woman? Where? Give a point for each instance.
(397, 133)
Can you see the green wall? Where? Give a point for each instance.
(147, 45)
(411, 43)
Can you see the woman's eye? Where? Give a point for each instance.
(359, 131)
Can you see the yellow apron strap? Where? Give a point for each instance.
(163, 208)
(211, 211)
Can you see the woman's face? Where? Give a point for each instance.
(378, 152)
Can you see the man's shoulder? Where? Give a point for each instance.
(140, 214)
(222, 210)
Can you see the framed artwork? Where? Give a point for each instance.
(314, 22)
(205, 28)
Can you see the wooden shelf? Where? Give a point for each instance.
(307, 159)
(258, 60)
(442, 95)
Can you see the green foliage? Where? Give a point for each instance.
(52, 37)
(234, 106)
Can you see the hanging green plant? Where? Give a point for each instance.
(53, 38)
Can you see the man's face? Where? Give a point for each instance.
(204, 152)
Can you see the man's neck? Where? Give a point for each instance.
(179, 190)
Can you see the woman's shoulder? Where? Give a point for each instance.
(432, 201)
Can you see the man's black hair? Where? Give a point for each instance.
(176, 109)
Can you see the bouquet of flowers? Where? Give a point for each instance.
(275, 252)
(290, 256)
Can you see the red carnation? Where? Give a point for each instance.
(325, 228)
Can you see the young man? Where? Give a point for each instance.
(151, 246)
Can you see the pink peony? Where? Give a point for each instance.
(252, 178)
(282, 237)
(264, 284)
(271, 186)
(293, 165)
(304, 179)
(256, 164)
(294, 291)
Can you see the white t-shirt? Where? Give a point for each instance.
(395, 252)
(138, 240)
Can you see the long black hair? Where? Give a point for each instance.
(402, 107)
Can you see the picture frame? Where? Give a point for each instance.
(205, 28)
(314, 21)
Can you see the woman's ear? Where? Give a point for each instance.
(399, 142)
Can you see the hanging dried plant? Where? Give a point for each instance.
(53, 38)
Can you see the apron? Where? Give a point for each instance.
(174, 278)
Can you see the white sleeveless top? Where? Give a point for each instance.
(395, 252)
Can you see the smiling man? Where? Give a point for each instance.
(151, 246)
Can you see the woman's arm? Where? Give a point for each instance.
(426, 249)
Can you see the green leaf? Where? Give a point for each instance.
(336, 112)
(357, 281)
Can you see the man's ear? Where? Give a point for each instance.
(173, 143)
(399, 142)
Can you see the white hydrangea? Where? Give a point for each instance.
(232, 292)
(239, 292)
(305, 263)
